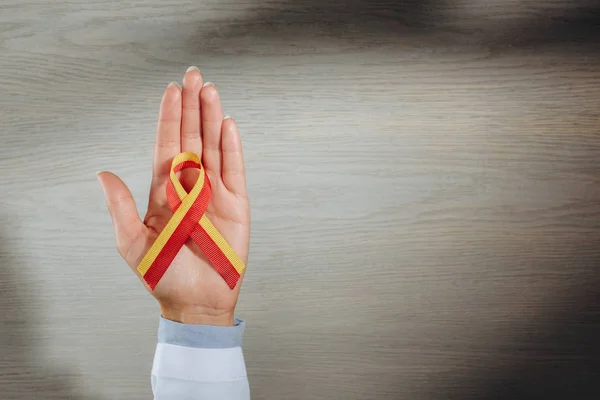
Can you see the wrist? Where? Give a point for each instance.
(198, 316)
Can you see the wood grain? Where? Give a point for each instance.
(424, 181)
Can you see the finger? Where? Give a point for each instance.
(121, 206)
(212, 118)
(233, 170)
(167, 144)
(190, 118)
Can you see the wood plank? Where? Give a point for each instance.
(424, 181)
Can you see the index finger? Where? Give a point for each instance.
(168, 143)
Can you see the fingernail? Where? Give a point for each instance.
(192, 68)
(174, 84)
(100, 180)
(208, 84)
(227, 117)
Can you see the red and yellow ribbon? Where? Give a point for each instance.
(189, 221)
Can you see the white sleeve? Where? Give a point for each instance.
(199, 362)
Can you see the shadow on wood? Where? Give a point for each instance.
(557, 360)
(371, 23)
(24, 374)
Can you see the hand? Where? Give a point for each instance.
(191, 291)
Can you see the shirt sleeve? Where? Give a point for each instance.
(199, 362)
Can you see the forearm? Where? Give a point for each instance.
(199, 362)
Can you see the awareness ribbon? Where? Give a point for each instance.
(189, 221)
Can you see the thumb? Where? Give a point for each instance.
(121, 206)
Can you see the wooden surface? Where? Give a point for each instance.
(424, 180)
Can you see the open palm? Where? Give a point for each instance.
(191, 291)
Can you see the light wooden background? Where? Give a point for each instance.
(424, 181)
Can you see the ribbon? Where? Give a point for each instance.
(189, 221)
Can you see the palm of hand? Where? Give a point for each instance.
(191, 281)
(191, 290)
